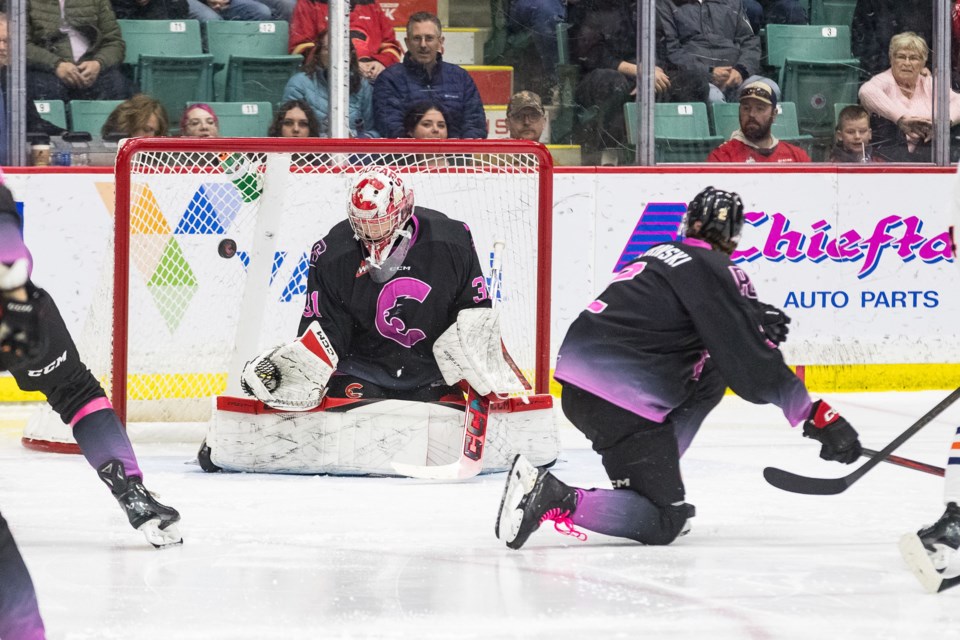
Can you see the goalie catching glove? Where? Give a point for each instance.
(471, 350)
(826, 426)
(292, 377)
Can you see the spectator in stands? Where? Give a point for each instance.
(199, 121)
(713, 37)
(35, 124)
(74, 51)
(249, 10)
(525, 116)
(875, 22)
(371, 33)
(603, 36)
(540, 18)
(852, 142)
(425, 120)
(424, 75)
(760, 13)
(150, 9)
(753, 141)
(140, 116)
(294, 119)
(311, 85)
(900, 101)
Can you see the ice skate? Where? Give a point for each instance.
(156, 521)
(929, 551)
(531, 496)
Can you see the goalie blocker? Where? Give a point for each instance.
(366, 437)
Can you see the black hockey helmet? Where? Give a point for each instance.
(720, 214)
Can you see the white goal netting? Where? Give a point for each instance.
(211, 255)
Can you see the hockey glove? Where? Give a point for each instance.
(20, 335)
(292, 377)
(775, 323)
(829, 428)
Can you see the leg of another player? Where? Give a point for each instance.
(19, 613)
(54, 368)
(931, 552)
(640, 457)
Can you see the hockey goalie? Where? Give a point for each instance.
(397, 325)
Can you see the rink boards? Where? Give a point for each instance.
(858, 259)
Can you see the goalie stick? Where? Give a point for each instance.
(917, 558)
(792, 482)
(476, 413)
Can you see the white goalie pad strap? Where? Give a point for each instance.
(470, 349)
(294, 376)
(366, 440)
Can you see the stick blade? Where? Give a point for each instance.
(454, 471)
(786, 481)
(919, 562)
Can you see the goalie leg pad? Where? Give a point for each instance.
(366, 440)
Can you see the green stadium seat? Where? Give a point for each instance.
(259, 79)
(177, 80)
(682, 131)
(816, 87)
(52, 111)
(228, 38)
(806, 42)
(243, 119)
(89, 115)
(835, 12)
(159, 38)
(726, 120)
(817, 71)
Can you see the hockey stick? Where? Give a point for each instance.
(917, 558)
(475, 416)
(831, 486)
(907, 462)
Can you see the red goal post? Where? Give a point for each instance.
(212, 239)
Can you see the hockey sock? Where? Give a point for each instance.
(19, 613)
(951, 480)
(626, 514)
(102, 438)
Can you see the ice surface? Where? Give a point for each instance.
(319, 557)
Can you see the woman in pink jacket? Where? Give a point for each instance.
(900, 101)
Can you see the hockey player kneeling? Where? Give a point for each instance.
(397, 315)
(642, 367)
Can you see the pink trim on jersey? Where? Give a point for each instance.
(697, 242)
(97, 404)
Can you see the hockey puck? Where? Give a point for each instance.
(227, 248)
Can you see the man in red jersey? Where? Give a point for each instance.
(753, 141)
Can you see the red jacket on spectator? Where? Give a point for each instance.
(737, 151)
(370, 31)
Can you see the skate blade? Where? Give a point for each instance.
(161, 538)
(919, 562)
(520, 482)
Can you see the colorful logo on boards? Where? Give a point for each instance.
(892, 235)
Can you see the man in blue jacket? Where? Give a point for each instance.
(423, 75)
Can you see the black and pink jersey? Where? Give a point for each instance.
(384, 332)
(642, 343)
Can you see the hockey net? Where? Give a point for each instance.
(210, 257)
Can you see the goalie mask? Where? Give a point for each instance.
(380, 205)
(720, 214)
